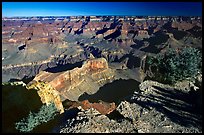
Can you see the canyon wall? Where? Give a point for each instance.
(70, 84)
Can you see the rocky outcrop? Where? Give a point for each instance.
(91, 121)
(163, 108)
(155, 108)
(151, 120)
(184, 86)
(125, 109)
(47, 94)
(73, 83)
(102, 107)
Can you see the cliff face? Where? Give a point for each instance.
(72, 83)
(47, 94)
(33, 34)
(30, 69)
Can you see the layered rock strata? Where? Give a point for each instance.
(70, 84)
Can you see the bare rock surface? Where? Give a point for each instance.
(91, 121)
(156, 108)
(72, 83)
(165, 109)
(102, 107)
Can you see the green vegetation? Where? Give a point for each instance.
(175, 65)
(45, 114)
(17, 102)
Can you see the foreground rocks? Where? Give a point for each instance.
(155, 108)
(91, 121)
(151, 120)
(166, 109)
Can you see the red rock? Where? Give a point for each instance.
(103, 107)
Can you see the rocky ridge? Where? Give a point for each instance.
(155, 108)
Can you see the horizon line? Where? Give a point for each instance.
(102, 15)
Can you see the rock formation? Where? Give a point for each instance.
(113, 39)
(72, 83)
(155, 108)
(109, 50)
(47, 94)
(102, 107)
(91, 121)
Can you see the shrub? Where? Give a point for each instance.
(45, 114)
(174, 66)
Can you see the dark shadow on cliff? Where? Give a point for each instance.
(122, 58)
(25, 79)
(64, 67)
(102, 31)
(196, 31)
(105, 29)
(133, 62)
(96, 52)
(138, 44)
(158, 39)
(178, 34)
(113, 35)
(182, 108)
(113, 92)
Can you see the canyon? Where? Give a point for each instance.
(76, 62)
(36, 45)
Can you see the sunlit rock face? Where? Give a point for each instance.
(47, 94)
(70, 84)
(36, 33)
(102, 107)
